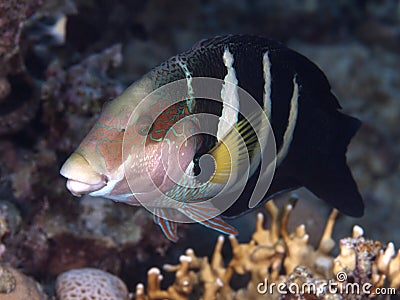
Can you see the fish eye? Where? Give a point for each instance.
(144, 125)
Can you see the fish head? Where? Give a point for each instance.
(136, 147)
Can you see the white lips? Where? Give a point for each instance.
(82, 178)
(78, 188)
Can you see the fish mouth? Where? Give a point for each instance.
(82, 178)
(78, 188)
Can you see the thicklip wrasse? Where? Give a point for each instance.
(311, 136)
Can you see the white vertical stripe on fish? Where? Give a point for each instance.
(229, 96)
(188, 75)
(288, 135)
(267, 85)
(265, 128)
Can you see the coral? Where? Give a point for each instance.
(16, 87)
(13, 15)
(95, 233)
(18, 93)
(19, 105)
(101, 217)
(7, 281)
(26, 169)
(365, 261)
(16, 286)
(10, 221)
(94, 284)
(54, 83)
(180, 289)
(85, 83)
(275, 256)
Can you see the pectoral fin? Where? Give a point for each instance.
(234, 149)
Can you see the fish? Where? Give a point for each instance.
(131, 154)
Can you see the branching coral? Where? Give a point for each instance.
(275, 256)
(365, 261)
(180, 289)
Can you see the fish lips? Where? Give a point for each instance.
(78, 188)
(82, 178)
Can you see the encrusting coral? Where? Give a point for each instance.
(278, 260)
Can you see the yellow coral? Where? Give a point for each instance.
(277, 256)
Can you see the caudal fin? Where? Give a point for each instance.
(319, 160)
(332, 182)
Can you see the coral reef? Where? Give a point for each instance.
(102, 235)
(10, 221)
(13, 16)
(92, 284)
(18, 93)
(274, 256)
(61, 60)
(83, 87)
(279, 264)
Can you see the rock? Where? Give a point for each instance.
(16, 286)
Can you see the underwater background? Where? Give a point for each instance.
(61, 60)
